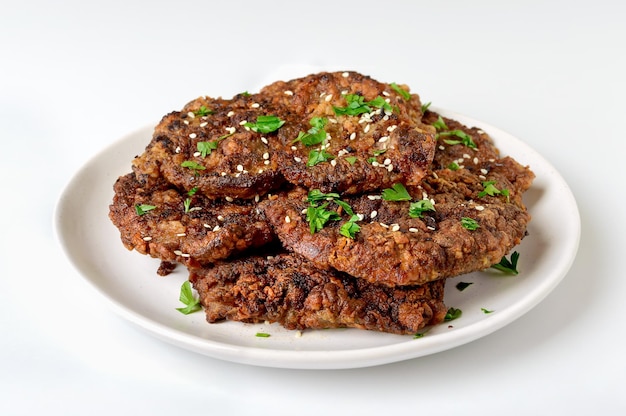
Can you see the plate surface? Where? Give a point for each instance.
(129, 281)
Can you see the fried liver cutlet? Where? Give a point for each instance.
(290, 290)
(316, 131)
(165, 223)
(477, 216)
(336, 122)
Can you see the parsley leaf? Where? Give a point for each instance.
(350, 227)
(486, 311)
(351, 159)
(316, 134)
(465, 138)
(461, 286)
(453, 166)
(507, 266)
(396, 193)
(453, 314)
(265, 124)
(319, 216)
(195, 166)
(440, 124)
(192, 191)
(186, 297)
(318, 156)
(417, 208)
(404, 93)
(141, 209)
(425, 107)
(357, 105)
(202, 111)
(469, 223)
(315, 195)
(205, 148)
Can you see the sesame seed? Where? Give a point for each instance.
(266, 156)
(360, 216)
(333, 120)
(386, 94)
(193, 135)
(475, 161)
(255, 105)
(206, 225)
(229, 199)
(375, 164)
(294, 148)
(484, 171)
(328, 97)
(483, 177)
(392, 128)
(387, 162)
(195, 209)
(383, 139)
(479, 208)
(230, 114)
(223, 173)
(389, 168)
(260, 170)
(492, 160)
(395, 227)
(297, 159)
(203, 124)
(240, 168)
(441, 147)
(373, 197)
(344, 92)
(466, 156)
(220, 218)
(480, 132)
(353, 136)
(367, 128)
(242, 122)
(264, 140)
(333, 163)
(304, 211)
(266, 162)
(431, 228)
(257, 197)
(177, 149)
(413, 230)
(186, 122)
(230, 130)
(178, 252)
(147, 238)
(181, 234)
(373, 214)
(345, 74)
(216, 228)
(383, 225)
(196, 154)
(185, 255)
(288, 92)
(287, 219)
(191, 114)
(435, 175)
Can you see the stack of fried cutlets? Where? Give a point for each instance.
(332, 200)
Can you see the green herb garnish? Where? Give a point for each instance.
(316, 134)
(404, 93)
(453, 314)
(461, 286)
(356, 105)
(265, 124)
(469, 223)
(486, 311)
(141, 209)
(350, 227)
(351, 159)
(465, 138)
(379, 152)
(417, 208)
(453, 166)
(315, 195)
(425, 107)
(187, 297)
(187, 204)
(205, 148)
(192, 191)
(262, 335)
(491, 190)
(507, 266)
(319, 216)
(396, 193)
(202, 111)
(440, 124)
(318, 156)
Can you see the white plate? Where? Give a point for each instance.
(129, 282)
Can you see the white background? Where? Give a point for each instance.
(76, 75)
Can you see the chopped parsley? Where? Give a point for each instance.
(262, 335)
(464, 138)
(440, 124)
(192, 191)
(187, 204)
(315, 195)
(507, 266)
(265, 124)
(404, 93)
(379, 152)
(141, 209)
(452, 314)
(396, 193)
(351, 159)
(491, 190)
(425, 107)
(486, 311)
(194, 166)
(316, 134)
(356, 105)
(192, 304)
(319, 216)
(417, 208)
(205, 148)
(318, 156)
(350, 227)
(469, 223)
(461, 286)
(202, 111)
(454, 166)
